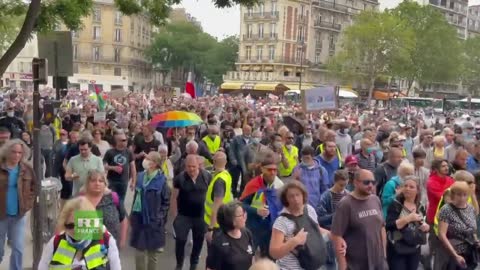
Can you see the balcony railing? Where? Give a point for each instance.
(267, 60)
(258, 76)
(264, 37)
(271, 15)
(335, 7)
(328, 25)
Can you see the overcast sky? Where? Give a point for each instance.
(225, 22)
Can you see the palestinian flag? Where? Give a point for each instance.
(101, 102)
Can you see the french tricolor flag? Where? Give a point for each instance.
(189, 86)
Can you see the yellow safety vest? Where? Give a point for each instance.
(228, 197)
(440, 204)
(404, 153)
(57, 125)
(165, 169)
(212, 145)
(321, 147)
(292, 158)
(64, 255)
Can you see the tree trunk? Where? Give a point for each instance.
(22, 37)
(410, 84)
(164, 77)
(370, 90)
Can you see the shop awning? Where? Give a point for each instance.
(296, 86)
(231, 85)
(265, 86)
(347, 92)
(384, 95)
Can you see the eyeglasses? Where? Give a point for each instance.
(368, 182)
(69, 226)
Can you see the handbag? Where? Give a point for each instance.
(469, 239)
(407, 240)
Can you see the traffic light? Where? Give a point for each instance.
(50, 109)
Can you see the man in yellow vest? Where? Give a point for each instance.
(212, 141)
(330, 135)
(219, 192)
(290, 152)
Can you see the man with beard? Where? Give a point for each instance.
(358, 227)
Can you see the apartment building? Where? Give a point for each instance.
(109, 50)
(284, 44)
(473, 21)
(455, 12)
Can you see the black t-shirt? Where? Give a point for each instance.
(146, 147)
(191, 195)
(114, 157)
(230, 253)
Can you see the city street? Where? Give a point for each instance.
(127, 256)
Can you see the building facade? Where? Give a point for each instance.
(19, 72)
(110, 50)
(286, 43)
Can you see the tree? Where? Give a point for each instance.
(472, 65)
(183, 45)
(371, 46)
(436, 56)
(44, 16)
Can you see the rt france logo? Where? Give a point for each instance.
(88, 225)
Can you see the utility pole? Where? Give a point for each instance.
(40, 76)
(301, 66)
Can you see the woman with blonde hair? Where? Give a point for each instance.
(457, 230)
(391, 190)
(70, 249)
(438, 149)
(108, 202)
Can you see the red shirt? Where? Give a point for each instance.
(436, 186)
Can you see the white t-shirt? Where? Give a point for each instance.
(287, 227)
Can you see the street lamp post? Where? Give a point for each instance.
(301, 66)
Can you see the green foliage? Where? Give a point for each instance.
(185, 45)
(472, 64)
(436, 56)
(372, 46)
(9, 28)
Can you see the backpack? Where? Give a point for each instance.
(313, 254)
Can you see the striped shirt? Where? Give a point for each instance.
(367, 163)
(287, 227)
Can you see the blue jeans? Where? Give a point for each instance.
(14, 227)
(331, 263)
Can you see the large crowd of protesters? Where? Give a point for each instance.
(260, 182)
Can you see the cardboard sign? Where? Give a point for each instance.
(99, 117)
(320, 99)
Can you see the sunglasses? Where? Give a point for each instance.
(271, 169)
(368, 182)
(69, 226)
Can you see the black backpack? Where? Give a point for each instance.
(313, 254)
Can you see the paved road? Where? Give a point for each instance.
(127, 256)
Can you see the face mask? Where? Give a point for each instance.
(10, 114)
(370, 150)
(212, 136)
(256, 140)
(246, 137)
(146, 164)
(79, 245)
(308, 134)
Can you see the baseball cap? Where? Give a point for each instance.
(351, 160)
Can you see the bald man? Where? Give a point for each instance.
(219, 192)
(360, 248)
(187, 206)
